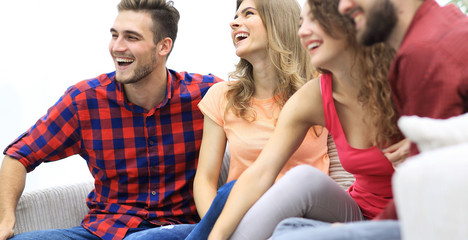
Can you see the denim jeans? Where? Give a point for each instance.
(74, 233)
(144, 231)
(300, 228)
(203, 228)
(170, 232)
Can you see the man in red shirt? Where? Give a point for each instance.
(138, 128)
(428, 78)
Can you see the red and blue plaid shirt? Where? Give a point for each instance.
(143, 162)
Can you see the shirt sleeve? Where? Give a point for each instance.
(213, 104)
(53, 137)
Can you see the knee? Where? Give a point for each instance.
(296, 222)
(44, 234)
(304, 172)
(290, 225)
(312, 178)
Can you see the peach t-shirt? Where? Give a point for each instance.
(247, 139)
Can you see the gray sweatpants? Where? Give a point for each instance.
(304, 191)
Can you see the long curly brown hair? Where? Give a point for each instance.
(373, 63)
(286, 53)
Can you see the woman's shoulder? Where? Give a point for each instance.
(224, 85)
(312, 86)
(308, 95)
(219, 88)
(306, 104)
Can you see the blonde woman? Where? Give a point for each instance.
(272, 66)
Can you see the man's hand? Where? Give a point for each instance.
(7, 225)
(398, 152)
(6, 233)
(12, 180)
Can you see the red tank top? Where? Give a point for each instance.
(372, 170)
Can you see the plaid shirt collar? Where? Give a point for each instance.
(122, 99)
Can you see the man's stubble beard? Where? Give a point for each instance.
(140, 73)
(380, 23)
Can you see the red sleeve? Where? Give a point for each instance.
(53, 137)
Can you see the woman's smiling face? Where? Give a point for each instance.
(248, 31)
(322, 47)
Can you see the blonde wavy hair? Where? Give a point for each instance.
(373, 63)
(290, 59)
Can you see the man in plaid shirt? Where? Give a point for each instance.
(138, 128)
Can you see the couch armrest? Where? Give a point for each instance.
(54, 207)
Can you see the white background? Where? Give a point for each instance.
(49, 45)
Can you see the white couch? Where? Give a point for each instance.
(65, 206)
(55, 207)
(431, 194)
(431, 189)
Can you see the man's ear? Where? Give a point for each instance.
(165, 46)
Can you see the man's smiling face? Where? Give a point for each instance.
(132, 47)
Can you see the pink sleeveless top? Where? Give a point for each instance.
(372, 170)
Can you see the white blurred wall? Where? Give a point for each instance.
(48, 45)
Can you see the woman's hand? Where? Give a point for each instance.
(398, 152)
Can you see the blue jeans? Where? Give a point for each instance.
(300, 228)
(144, 231)
(170, 232)
(203, 228)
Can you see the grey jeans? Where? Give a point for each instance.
(304, 191)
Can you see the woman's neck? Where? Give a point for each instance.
(264, 76)
(346, 76)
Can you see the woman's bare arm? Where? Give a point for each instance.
(303, 110)
(209, 165)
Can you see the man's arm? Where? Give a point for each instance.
(12, 180)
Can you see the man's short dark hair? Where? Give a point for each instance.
(165, 16)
